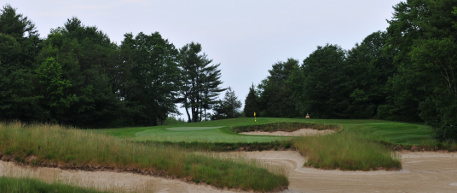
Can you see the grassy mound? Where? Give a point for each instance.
(25, 185)
(50, 145)
(346, 151)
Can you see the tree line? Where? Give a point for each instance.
(77, 76)
(406, 73)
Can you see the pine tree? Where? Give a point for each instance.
(251, 103)
(200, 80)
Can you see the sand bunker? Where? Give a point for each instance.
(300, 132)
(422, 172)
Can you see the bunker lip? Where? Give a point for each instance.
(106, 180)
(159, 176)
(299, 132)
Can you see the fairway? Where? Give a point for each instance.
(191, 128)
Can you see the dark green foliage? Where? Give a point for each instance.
(326, 83)
(228, 107)
(16, 25)
(275, 98)
(54, 89)
(19, 44)
(251, 104)
(422, 37)
(148, 78)
(200, 81)
(88, 59)
(77, 76)
(368, 69)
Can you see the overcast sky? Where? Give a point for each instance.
(246, 36)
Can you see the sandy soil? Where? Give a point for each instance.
(300, 132)
(105, 180)
(422, 172)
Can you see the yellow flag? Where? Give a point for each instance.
(254, 114)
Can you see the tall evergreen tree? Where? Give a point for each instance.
(368, 69)
(275, 98)
(19, 45)
(148, 78)
(251, 103)
(200, 80)
(325, 83)
(228, 107)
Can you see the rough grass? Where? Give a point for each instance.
(346, 151)
(51, 145)
(25, 185)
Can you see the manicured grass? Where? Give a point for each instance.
(25, 185)
(198, 134)
(50, 145)
(346, 151)
(396, 133)
(360, 145)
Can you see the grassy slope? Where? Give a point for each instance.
(24, 185)
(50, 145)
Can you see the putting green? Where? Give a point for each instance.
(199, 134)
(191, 128)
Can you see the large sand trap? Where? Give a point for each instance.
(300, 132)
(422, 172)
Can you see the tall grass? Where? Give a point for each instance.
(51, 145)
(25, 185)
(346, 151)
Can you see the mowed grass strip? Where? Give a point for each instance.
(26, 185)
(51, 145)
(346, 151)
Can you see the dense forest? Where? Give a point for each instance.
(77, 76)
(406, 73)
